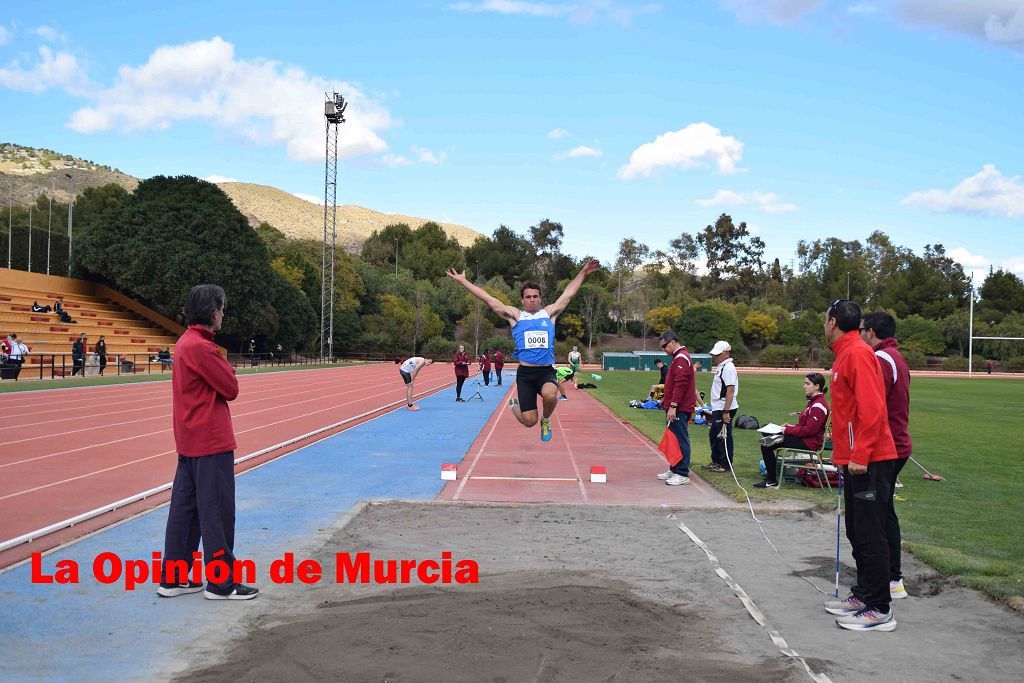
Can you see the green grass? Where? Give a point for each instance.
(968, 527)
(8, 386)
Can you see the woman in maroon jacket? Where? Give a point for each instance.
(462, 364)
(807, 434)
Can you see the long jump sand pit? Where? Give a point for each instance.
(599, 594)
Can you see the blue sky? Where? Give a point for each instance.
(805, 118)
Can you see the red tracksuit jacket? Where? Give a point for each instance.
(461, 365)
(203, 383)
(680, 387)
(860, 425)
(896, 376)
(811, 425)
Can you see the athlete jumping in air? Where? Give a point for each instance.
(533, 330)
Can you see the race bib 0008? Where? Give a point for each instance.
(536, 340)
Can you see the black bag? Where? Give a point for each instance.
(747, 422)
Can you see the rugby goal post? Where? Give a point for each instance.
(970, 341)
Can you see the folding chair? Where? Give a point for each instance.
(814, 461)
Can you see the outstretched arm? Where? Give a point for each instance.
(555, 309)
(507, 312)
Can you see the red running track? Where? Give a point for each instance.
(64, 452)
(509, 463)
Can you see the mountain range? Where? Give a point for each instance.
(27, 172)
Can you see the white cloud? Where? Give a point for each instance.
(309, 198)
(263, 101)
(5, 35)
(49, 34)
(425, 156)
(558, 134)
(997, 21)
(581, 11)
(861, 8)
(579, 152)
(766, 201)
(776, 11)
(986, 192)
(979, 265)
(1014, 264)
(52, 70)
(214, 178)
(699, 144)
(395, 160)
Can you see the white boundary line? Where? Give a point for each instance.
(752, 609)
(524, 478)
(501, 413)
(575, 467)
(85, 516)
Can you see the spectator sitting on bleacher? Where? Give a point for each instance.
(36, 308)
(58, 308)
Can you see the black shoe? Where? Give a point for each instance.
(237, 592)
(766, 484)
(173, 591)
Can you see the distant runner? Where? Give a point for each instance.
(563, 375)
(575, 358)
(409, 369)
(533, 330)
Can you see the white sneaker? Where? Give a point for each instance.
(897, 591)
(677, 480)
(666, 475)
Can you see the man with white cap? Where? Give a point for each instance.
(724, 389)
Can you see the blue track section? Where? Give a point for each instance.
(91, 631)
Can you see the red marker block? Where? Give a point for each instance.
(448, 471)
(598, 474)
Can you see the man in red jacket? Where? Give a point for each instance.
(462, 364)
(499, 363)
(678, 402)
(879, 329)
(203, 494)
(862, 442)
(485, 367)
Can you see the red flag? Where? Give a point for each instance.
(669, 447)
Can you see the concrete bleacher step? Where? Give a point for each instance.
(130, 329)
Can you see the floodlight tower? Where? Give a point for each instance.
(334, 114)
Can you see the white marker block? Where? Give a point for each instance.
(448, 471)
(598, 474)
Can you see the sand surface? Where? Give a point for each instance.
(598, 594)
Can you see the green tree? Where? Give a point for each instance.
(631, 254)
(1002, 293)
(93, 202)
(734, 258)
(174, 233)
(594, 302)
(921, 334)
(505, 254)
(932, 285)
(702, 325)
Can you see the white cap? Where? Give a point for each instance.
(720, 347)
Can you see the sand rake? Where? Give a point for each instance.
(927, 475)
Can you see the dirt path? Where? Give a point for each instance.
(600, 593)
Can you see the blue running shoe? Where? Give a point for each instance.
(545, 430)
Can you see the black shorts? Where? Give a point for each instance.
(405, 376)
(529, 381)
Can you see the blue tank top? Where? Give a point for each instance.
(534, 335)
